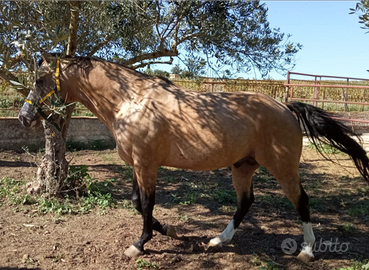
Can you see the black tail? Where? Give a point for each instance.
(322, 129)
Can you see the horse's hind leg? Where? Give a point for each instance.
(157, 226)
(290, 182)
(242, 181)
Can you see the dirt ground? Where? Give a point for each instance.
(198, 205)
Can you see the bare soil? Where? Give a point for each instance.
(188, 200)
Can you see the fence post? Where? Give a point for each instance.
(316, 92)
(287, 87)
(345, 95)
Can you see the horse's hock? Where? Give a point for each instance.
(86, 132)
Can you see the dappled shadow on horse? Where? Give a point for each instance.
(156, 123)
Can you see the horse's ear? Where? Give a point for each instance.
(48, 62)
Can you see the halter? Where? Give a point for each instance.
(42, 100)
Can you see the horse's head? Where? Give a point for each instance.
(47, 88)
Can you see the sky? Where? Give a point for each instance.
(333, 42)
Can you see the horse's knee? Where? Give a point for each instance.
(136, 202)
(136, 199)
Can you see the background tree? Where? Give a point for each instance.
(362, 9)
(137, 34)
(156, 72)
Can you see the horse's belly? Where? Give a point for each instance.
(201, 159)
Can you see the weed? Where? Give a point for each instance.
(143, 264)
(168, 179)
(356, 266)
(358, 208)
(325, 149)
(54, 206)
(264, 265)
(224, 196)
(127, 172)
(347, 227)
(316, 203)
(280, 202)
(11, 190)
(262, 175)
(126, 204)
(97, 199)
(183, 218)
(189, 198)
(93, 194)
(229, 209)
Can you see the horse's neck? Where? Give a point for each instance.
(104, 96)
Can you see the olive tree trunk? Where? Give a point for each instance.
(53, 170)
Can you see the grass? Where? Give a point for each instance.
(275, 201)
(347, 227)
(264, 264)
(143, 264)
(11, 192)
(356, 266)
(358, 208)
(93, 194)
(325, 149)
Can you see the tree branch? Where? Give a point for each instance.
(7, 76)
(17, 59)
(149, 56)
(73, 27)
(144, 64)
(99, 46)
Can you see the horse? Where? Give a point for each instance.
(157, 123)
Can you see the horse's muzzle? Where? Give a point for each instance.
(24, 120)
(28, 119)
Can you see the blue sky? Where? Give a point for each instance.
(333, 42)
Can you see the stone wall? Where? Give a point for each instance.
(83, 132)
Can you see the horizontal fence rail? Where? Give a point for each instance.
(335, 93)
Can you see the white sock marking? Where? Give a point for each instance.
(226, 235)
(309, 238)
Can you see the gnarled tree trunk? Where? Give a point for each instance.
(53, 170)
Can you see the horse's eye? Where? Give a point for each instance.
(39, 81)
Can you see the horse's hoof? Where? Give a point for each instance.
(171, 232)
(133, 252)
(305, 257)
(215, 242)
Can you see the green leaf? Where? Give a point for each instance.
(16, 83)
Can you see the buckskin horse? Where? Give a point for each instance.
(157, 123)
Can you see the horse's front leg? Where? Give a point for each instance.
(157, 226)
(146, 182)
(143, 197)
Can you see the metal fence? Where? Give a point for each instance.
(335, 94)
